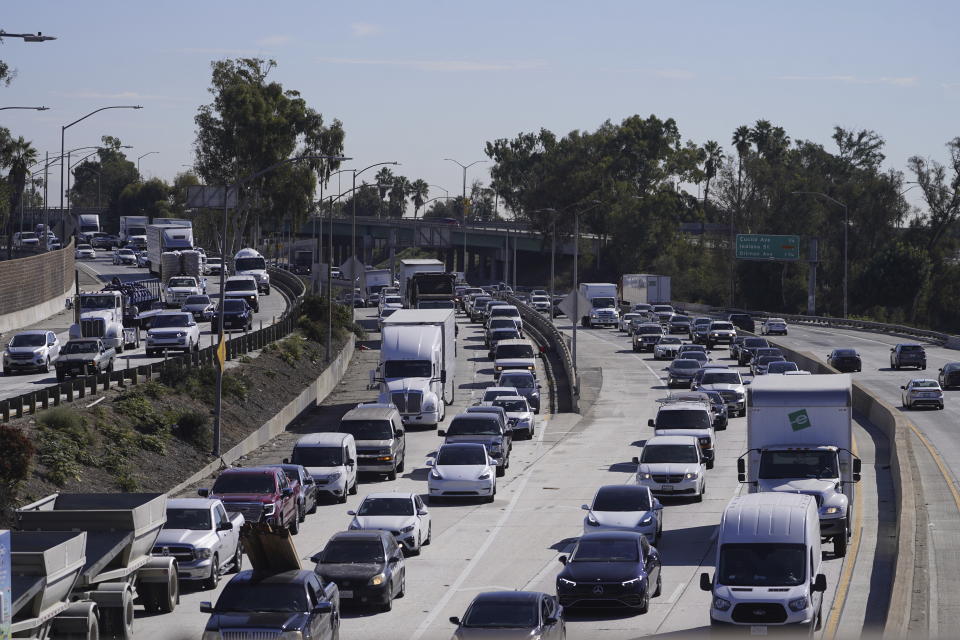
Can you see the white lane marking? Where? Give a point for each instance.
(474, 561)
(547, 568)
(543, 431)
(677, 593)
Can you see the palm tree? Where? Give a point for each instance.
(741, 141)
(419, 191)
(398, 196)
(19, 154)
(760, 136)
(714, 156)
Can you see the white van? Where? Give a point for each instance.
(768, 563)
(331, 458)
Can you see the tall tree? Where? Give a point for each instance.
(711, 163)
(741, 142)
(398, 197)
(18, 154)
(419, 192)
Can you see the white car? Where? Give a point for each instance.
(627, 318)
(666, 348)
(36, 349)
(520, 416)
(624, 507)
(462, 469)
(390, 302)
(922, 391)
(672, 466)
(124, 256)
(84, 252)
(402, 514)
(514, 354)
(728, 383)
(772, 326)
(540, 303)
(173, 330)
(213, 266)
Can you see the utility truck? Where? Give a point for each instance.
(598, 304)
(377, 280)
(417, 368)
(644, 288)
(249, 262)
(799, 440)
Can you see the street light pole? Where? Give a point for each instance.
(29, 108)
(463, 206)
(138, 163)
(846, 226)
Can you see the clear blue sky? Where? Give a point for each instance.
(420, 81)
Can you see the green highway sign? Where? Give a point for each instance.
(761, 246)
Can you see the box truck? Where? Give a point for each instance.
(598, 304)
(411, 266)
(162, 238)
(89, 224)
(799, 440)
(418, 359)
(133, 230)
(637, 288)
(377, 279)
(430, 291)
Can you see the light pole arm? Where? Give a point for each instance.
(118, 106)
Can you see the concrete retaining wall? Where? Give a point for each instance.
(34, 288)
(309, 398)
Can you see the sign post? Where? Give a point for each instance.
(6, 602)
(761, 246)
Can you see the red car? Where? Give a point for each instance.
(261, 494)
(303, 487)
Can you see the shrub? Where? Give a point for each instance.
(64, 421)
(194, 426)
(17, 458)
(59, 453)
(136, 406)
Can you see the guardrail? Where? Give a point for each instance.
(90, 385)
(556, 355)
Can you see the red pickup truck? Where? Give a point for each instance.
(261, 494)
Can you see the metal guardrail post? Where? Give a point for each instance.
(5, 410)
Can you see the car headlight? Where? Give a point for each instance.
(705, 443)
(180, 334)
(334, 476)
(408, 528)
(799, 604)
(690, 476)
(721, 604)
(564, 581)
(429, 406)
(377, 580)
(631, 582)
(269, 509)
(593, 314)
(592, 521)
(829, 511)
(495, 448)
(644, 476)
(203, 554)
(646, 520)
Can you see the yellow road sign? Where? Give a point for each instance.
(222, 352)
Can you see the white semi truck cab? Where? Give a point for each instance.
(249, 262)
(800, 440)
(100, 315)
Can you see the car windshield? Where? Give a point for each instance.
(262, 597)
(762, 565)
(28, 340)
(666, 340)
(844, 353)
(517, 381)
(173, 320)
(504, 334)
(84, 247)
(778, 465)
(721, 378)
(504, 312)
(768, 359)
(80, 347)
(683, 419)
(386, 507)
(352, 552)
(680, 319)
(463, 427)
(926, 384)
(622, 499)
(910, 348)
(541, 299)
(406, 369)
(648, 330)
(234, 306)
(249, 264)
(180, 282)
(461, 456)
(501, 615)
(195, 519)
(768, 351)
(244, 483)
(512, 406)
(606, 551)
(780, 367)
(393, 300)
(721, 326)
(503, 323)
(685, 364)
(387, 312)
(751, 343)
(367, 429)
(198, 300)
(489, 396)
(125, 252)
(240, 285)
(97, 302)
(662, 308)
(435, 304)
(514, 351)
(318, 456)
(660, 453)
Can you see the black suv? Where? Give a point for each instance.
(743, 321)
(908, 355)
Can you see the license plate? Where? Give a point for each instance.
(349, 594)
(666, 488)
(758, 630)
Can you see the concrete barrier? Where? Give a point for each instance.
(309, 398)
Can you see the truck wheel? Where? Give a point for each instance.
(118, 621)
(353, 489)
(501, 471)
(213, 579)
(46, 367)
(294, 526)
(237, 559)
(392, 474)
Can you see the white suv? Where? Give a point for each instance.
(176, 330)
(672, 466)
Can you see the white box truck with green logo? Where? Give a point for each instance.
(800, 440)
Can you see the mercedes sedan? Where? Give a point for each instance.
(511, 614)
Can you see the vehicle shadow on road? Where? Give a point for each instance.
(578, 614)
(564, 545)
(622, 467)
(687, 546)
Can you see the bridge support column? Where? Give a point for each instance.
(451, 260)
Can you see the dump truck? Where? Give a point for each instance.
(117, 571)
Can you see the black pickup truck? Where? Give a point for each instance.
(83, 357)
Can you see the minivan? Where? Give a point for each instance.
(377, 430)
(514, 354)
(331, 458)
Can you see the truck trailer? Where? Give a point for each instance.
(166, 238)
(411, 266)
(133, 230)
(644, 288)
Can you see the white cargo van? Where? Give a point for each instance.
(331, 458)
(768, 564)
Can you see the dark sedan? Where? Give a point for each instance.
(845, 360)
(743, 321)
(749, 348)
(678, 324)
(949, 375)
(610, 569)
(512, 614)
(681, 372)
(367, 566)
(237, 314)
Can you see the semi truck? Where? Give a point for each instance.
(800, 440)
(598, 304)
(89, 224)
(110, 315)
(409, 267)
(430, 290)
(644, 288)
(417, 368)
(165, 238)
(249, 262)
(133, 230)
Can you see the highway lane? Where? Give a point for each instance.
(271, 307)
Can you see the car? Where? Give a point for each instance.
(666, 348)
(626, 319)
(143, 259)
(845, 360)
(213, 266)
(245, 288)
(124, 256)
(624, 507)
(908, 355)
(179, 288)
(26, 240)
(520, 416)
(678, 324)
(663, 312)
(500, 414)
(749, 348)
(698, 330)
(642, 307)
(735, 346)
(385, 313)
(672, 466)
(759, 352)
(782, 366)
(172, 330)
(613, 568)
(921, 392)
(237, 314)
(727, 383)
(526, 384)
(84, 252)
(949, 375)
(486, 429)
(462, 470)
(690, 348)
(204, 539)
(367, 566)
(36, 350)
(719, 332)
(645, 336)
(758, 366)
(492, 393)
(302, 484)
(261, 494)
(699, 356)
(83, 357)
(721, 411)
(331, 460)
(200, 306)
(377, 430)
(743, 321)
(511, 614)
(773, 326)
(678, 416)
(681, 371)
(500, 323)
(496, 336)
(515, 354)
(540, 302)
(402, 514)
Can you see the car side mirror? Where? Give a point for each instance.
(422, 512)
(203, 493)
(206, 607)
(286, 492)
(315, 558)
(323, 607)
(893, 348)
(741, 466)
(455, 620)
(706, 584)
(562, 560)
(902, 387)
(491, 462)
(550, 620)
(820, 583)
(351, 462)
(398, 433)
(308, 481)
(225, 526)
(635, 460)
(585, 507)
(351, 512)
(656, 505)
(441, 432)
(650, 422)
(429, 463)
(286, 461)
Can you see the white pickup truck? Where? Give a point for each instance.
(203, 537)
(179, 288)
